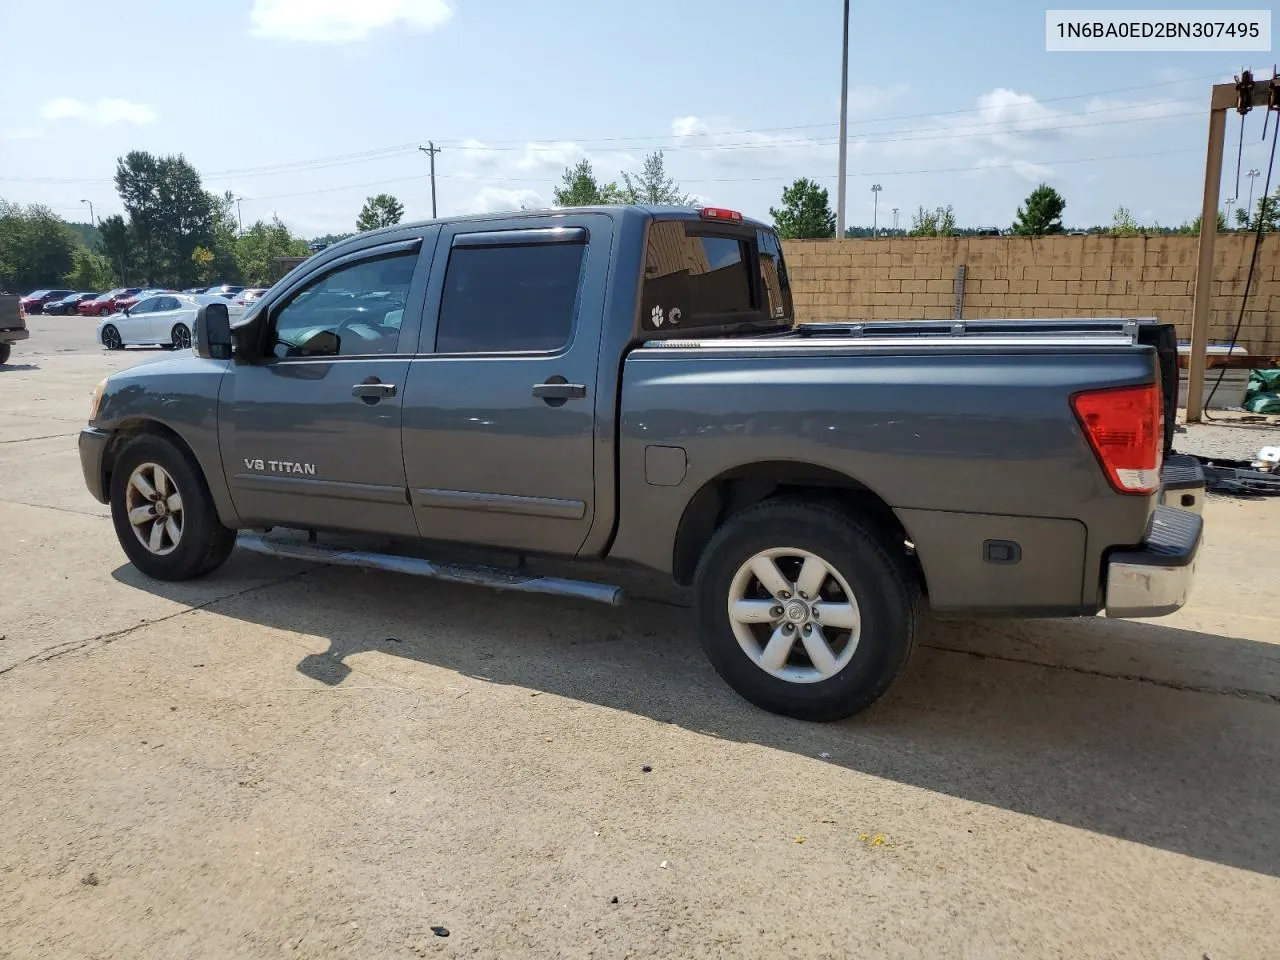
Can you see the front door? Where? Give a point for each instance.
(310, 434)
(500, 406)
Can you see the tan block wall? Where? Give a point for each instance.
(1009, 277)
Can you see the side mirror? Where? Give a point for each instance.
(213, 332)
(126, 311)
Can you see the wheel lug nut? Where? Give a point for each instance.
(784, 595)
(775, 612)
(808, 628)
(788, 628)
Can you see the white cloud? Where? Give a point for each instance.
(105, 112)
(342, 21)
(499, 200)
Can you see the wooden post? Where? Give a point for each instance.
(1204, 266)
(1223, 97)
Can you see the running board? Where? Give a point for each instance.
(482, 576)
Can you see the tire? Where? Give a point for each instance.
(180, 337)
(200, 544)
(111, 338)
(104, 311)
(5, 350)
(752, 657)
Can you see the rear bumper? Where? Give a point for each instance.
(1182, 483)
(1156, 580)
(14, 334)
(93, 444)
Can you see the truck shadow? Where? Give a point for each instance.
(1155, 735)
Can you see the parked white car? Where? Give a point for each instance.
(164, 320)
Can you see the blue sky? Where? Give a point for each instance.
(305, 107)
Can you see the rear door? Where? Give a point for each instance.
(500, 408)
(163, 317)
(310, 434)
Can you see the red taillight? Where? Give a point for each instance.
(1125, 427)
(720, 213)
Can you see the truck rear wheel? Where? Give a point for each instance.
(5, 350)
(163, 513)
(803, 611)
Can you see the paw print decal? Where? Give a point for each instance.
(656, 316)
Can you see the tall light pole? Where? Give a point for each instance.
(1252, 175)
(239, 219)
(895, 220)
(875, 206)
(844, 121)
(431, 150)
(92, 221)
(1226, 210)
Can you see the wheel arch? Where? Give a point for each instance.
(735, 489)
(131, 428)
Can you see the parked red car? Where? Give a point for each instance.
(125, 302)
(108, 302)
(34, 301)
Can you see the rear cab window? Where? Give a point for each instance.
(720, 277)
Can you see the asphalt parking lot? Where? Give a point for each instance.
(292, 760)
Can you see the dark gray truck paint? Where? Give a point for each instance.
(962, 442)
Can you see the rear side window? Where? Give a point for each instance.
(500, 299)
(696, 278)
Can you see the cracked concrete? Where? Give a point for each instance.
(287, 758)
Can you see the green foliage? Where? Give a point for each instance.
(90, 271)
(652, 185)
(1267, 211)
(938, 222)
(1123, 224)
(579, 188)
(85, 233)
(1193, 227)
(383, 210)
(170, 214)
(329, 238)
(118, 244)
(1043, 213)
(805, 213)
(36, 248)
(260, 245)
(204, 259)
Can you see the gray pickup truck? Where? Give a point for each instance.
(625, 385)
(13, 324)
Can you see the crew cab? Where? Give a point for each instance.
(626, 386)
(13, 324)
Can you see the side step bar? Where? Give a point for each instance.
(482, 576)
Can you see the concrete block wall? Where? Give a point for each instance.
(1091, 276)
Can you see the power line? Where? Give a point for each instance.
(379, 153)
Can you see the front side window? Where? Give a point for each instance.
(355, 310)
(510, 299)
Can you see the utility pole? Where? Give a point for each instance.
(431, 150)
(844, 122)
(875, 208)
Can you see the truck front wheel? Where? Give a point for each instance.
(803, 611)
(163, 513)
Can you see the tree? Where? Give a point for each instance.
(1193, 227)
(1268, 212)
(36, 248)
(170, 214)
(652, 185)
(204, 259)
(938, 222)
(118, 244)
(1123, 224)
(579, 188)
(258, 247)
(90, 271)
(805, 213)
(384, 210)
(1043, 213)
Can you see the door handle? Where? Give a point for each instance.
(373, 392)
(552, 390)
